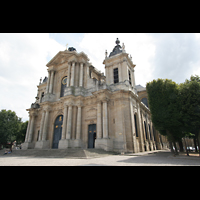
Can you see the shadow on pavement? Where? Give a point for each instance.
(161, 158)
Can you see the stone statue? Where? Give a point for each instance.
(123, 46)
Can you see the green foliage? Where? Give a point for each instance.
(175, 109)
(20, 137)
(163, 95)
(190, 102)
(11, 127)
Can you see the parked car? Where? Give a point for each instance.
(191, 148)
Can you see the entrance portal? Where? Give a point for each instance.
(57, 131)
(91, 135)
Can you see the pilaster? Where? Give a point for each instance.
(105, 119)
(69, 73)
(72, 73)
(78, 129)
(42, 125)
(51, 82)
(69, 122)
(81, 75)
(99, 124)
(27, 130)
(31, 127)
(44, 135)
(64, 123)
(48, 82)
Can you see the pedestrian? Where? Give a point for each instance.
(5, 152)
(11, 147)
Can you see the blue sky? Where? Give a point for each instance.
(23, 59)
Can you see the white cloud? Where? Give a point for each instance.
(140, 46)
(23, 59)
(176, 56)
(157, 55)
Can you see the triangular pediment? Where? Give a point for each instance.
(67, 56)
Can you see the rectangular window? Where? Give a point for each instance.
(129, 75)
(115, 75)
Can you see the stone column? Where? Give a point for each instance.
(72, 77)
(27, 130)
(81, 76)
(48, 81)
(41, 126)
(51, 82)
(120, 71)
(105, 119)
(132, 78)
(69, 71)
(64, 123)
(31, 128)
(78, 130)
(44, 135)
(99, 130)
(69, 122)
(87, 70)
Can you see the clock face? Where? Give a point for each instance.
(64, 81)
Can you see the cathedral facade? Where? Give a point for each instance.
(77, 106)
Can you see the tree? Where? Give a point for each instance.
(163, 96)
(190, 103)
(9, 126)
(20, 135)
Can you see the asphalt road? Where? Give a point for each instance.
(163, 158)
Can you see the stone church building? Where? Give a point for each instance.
(77, 106)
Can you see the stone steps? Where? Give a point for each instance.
(61, 153)
(98, 153)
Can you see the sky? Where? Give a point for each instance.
(23, 59)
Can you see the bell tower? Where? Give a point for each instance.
(119, 68)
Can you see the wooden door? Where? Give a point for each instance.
(57, 131)
(91, 135)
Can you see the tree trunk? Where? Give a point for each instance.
(197, 135)
(180, 145)
(176, 151)
(11, 147)
(195, 143)
(186, 147)
(171, 140)
(171, 147)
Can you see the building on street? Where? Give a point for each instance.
(77, 106)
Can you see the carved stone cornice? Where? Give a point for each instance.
(105, 99)
(33, 114)
(79, 102)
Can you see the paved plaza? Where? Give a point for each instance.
(156, 158)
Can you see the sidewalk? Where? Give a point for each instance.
(146, 152)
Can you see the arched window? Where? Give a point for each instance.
(150, 132)
(145, 129)
(63, 86)
(136, 130)
(144, 100)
